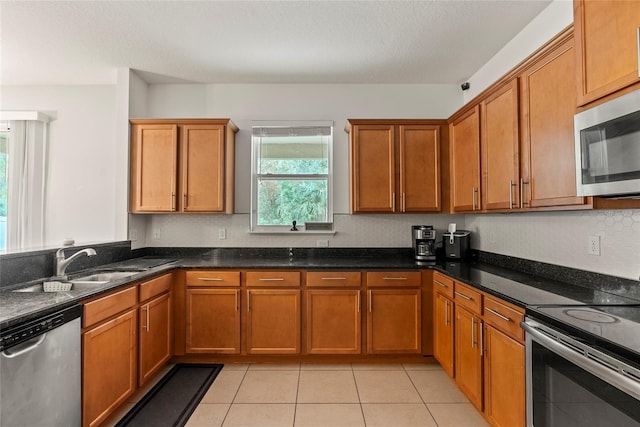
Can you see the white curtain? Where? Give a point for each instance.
(26, 178)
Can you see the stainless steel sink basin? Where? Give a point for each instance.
(85, 282)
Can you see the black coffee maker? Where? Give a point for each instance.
(423, 238)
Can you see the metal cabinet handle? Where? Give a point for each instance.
(358, 302)
(173, 201)
(184, 200)
(440, 283)
(511, 185)
(146, 309)
(503, 317)
(404, 202)
(473, 331)
(393, 201)
(210, 279)
(271, 279)
(237, 294)
(481, 343)
(370, 303)
(473, 198)
(446, 312)
(248, 301)
(394, 278)
(463, 296)
(334, 278)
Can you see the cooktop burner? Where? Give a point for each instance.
(590, 316)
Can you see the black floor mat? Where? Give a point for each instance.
(172, 401)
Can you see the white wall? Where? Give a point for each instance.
(81, 194)
(555, 237)
(245, 103)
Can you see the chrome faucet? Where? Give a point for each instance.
(62, 263)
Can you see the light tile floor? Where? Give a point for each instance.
(350, 395)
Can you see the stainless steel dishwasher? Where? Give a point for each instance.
(40, 368)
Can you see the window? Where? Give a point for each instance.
(291, 175)
(4, 141)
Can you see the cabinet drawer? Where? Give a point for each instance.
(393, 278)
(505, 318)
(468, 297)
(273, 278)
(105, 307)
(443, 284)
(213, 278)
(333, 279)
(156, 286)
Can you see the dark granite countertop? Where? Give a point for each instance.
(511, 285)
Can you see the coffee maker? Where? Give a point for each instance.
(423, 238)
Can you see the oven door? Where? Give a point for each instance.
(571, 384)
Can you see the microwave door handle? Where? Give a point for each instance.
(605, 373)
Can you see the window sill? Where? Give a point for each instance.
(294, 233)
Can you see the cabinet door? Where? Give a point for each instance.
(153, 168)
(213, 321)
(373, 179)
(465, 162)
(468, 355)
(606, 46)
(203, 163)
(443, 332)
(500, 139)
(333, 321)
(155, 336)
(273, 321)
(548, 147)
(419, 168)
(504, 387)
(393, 321)
(108, 367)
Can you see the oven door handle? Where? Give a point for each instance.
(581, 358)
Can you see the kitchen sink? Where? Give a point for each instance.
(82, 283)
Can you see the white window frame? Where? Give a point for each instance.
(255, 176)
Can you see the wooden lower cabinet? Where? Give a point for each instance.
(213, 320)
(108, 367)
(468, 354)
(443, 332)
(155, 336)
(504, 379)
(394, 322)
(333, 321)
(273, 321)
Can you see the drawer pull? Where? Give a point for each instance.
(210, 279)
(441, 284)
(146, 309)
(502, 316)
(463, 296)
(334, 278)
(394, 278)
(271, 279)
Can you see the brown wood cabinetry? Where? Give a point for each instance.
(548, 173)
(155, 326)
(333, 321)
(213, 312)
(109, 356)
(394, 314)
(395, 166)
(443, 320)
(499, 147)
(182, 165)
(273, 321)
(464, 133)
(468, 352)
(606, 47)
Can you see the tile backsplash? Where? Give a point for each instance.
(562, 238)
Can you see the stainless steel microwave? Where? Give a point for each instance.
(607, 139)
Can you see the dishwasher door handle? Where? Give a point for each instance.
(28, 346)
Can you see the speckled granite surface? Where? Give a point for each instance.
(516, 286)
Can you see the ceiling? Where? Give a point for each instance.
(85, 42)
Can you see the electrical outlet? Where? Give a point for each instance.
(594, 245)
(322, 243)
(156, 234)
(222, 233)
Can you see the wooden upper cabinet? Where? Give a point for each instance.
(373, 168)
(154, 149)
(606, 46)
(464, 133)
(202, 168)
(184, 165)
(419, 168)
(499, 147)
(395, 165)
(547, 144)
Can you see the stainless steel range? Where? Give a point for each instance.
(583, 365)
